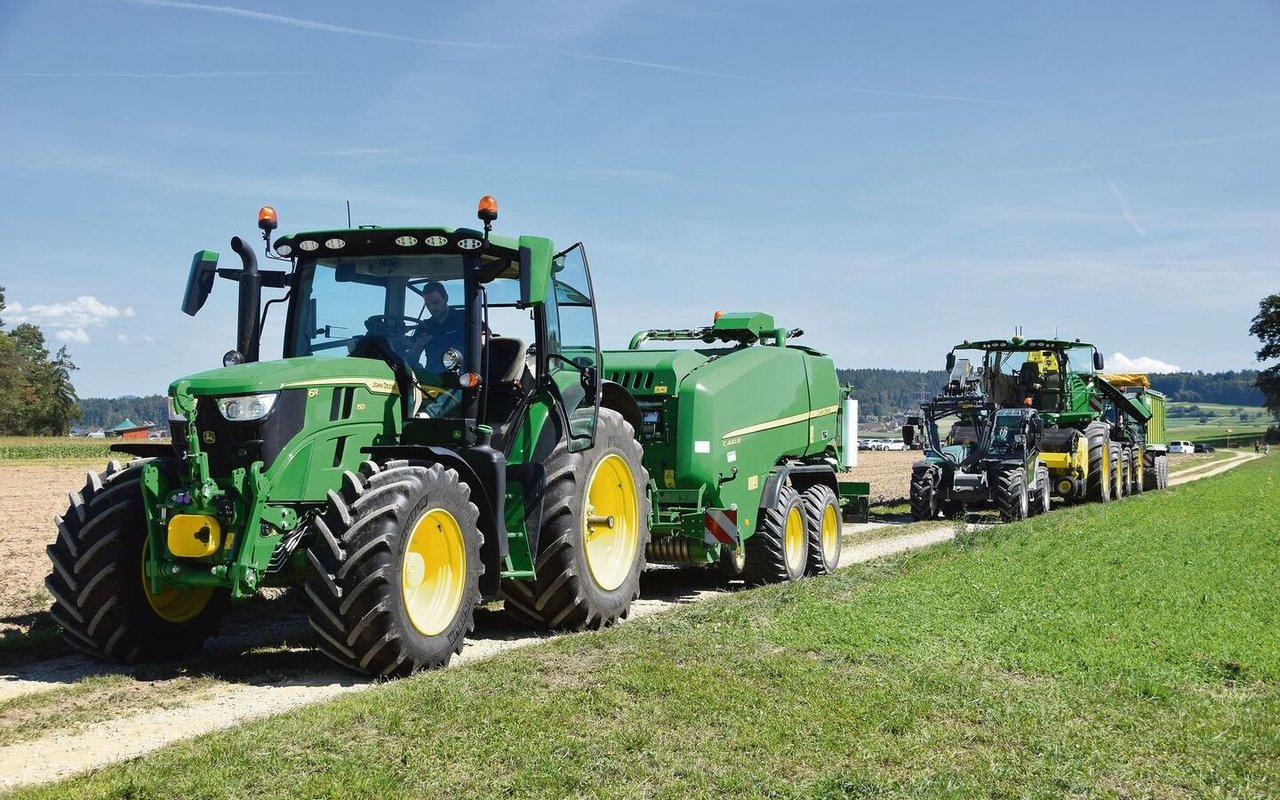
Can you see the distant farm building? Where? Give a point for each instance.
(131, 430)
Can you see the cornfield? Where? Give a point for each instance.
(39, 448)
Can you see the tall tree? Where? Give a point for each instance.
(1266, 327)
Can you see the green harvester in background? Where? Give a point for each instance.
(1103, 434)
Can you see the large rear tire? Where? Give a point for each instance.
(1135, 480)
(101, 598)
(1162, 467)
(1011, 495)
(396, 569)
(822, 525)
(778, 550)
(924, 493)
(595, 528)
(1098, 481)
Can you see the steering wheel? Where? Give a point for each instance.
(391, 325)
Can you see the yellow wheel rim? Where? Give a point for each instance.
(795, 540)
(172, 605)
(434, 572)
(611, 522)
(830, 533)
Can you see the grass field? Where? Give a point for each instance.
(1125, 650)
(1214, 431)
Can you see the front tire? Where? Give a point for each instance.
(924, 493)
(778, 550)
(1011, 495)
(822, 525)
(1040, 500)
(101, 597)
(595, 529)
(396, 569)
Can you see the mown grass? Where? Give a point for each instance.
(1127, 650)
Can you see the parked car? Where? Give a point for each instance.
(865, 444)
(895, 444)
(1201, 447)
(1181, 446)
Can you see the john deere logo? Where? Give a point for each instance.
(209, 438)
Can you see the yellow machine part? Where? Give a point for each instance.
(194, 535)
(1127, 380)
(1070, 465)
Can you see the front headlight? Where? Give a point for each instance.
(174, 414)
(246, 408)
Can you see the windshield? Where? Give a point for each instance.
(1009, 437)
(956, 435)
(387, 296)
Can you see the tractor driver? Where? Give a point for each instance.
(439, 332)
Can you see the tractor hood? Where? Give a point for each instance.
(290, 373)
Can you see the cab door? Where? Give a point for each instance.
(573, 344)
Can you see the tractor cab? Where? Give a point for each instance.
(470, 325)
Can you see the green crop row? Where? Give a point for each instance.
(40, 448)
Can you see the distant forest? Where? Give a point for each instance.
(107, 412)
(880, 392)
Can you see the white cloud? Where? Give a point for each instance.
(73, 335)
(1119, 362)
(85, 311)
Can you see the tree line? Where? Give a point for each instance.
(105, 412)
(37, 397)
(884, 392)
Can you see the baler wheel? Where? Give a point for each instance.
(822, 525)
(1098, 481)
(1162, 464)
(101, 597)
(1011, 495)
(595, 528)
(924, 493)
(778, 550)
(395, 569)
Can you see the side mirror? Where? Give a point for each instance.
(1097, 361)
(204, 268)
(909, 435)
(951, 361)
(913, 420)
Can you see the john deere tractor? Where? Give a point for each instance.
(436, 434)
(976, 454)
(1100, 441)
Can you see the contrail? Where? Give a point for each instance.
(325, 27)
(295, 22)
(158, 75)
(1137, 227)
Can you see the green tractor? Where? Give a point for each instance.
(437, 434)
(1100, 441)
(976, 454)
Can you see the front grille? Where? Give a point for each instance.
(231, 445)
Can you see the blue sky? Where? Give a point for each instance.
(890, 176)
